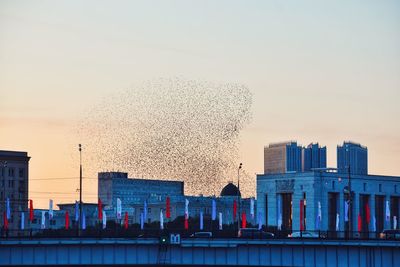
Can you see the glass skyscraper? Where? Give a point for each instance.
(314, 157)
(352, 155)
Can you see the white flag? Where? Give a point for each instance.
(161, 220)
(187, 208)
(387, 211)
(394, 222)
(259, 221)
(22, 221)
(141, 220)
(337, 221)
(50, 209)
(119, 209)
(220, 221)
(43, 222)
(104, 220)
(252, 208)
(201, 220)
(373, 224)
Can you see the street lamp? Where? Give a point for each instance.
(238, 195)
(80, 191)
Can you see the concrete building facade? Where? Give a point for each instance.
(14, 173)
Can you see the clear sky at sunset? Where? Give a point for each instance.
(318, 70)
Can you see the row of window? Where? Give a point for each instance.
(364, 187)
(12, 171)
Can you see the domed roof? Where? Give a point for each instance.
(230, 190)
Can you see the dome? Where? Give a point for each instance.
(230, 190)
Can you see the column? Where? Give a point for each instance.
(356, 210)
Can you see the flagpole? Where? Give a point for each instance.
(80, 190)
(238, 197)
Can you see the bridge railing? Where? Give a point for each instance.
(119, 232)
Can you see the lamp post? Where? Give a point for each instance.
(238, 196)
(80, 190)
(350, 204)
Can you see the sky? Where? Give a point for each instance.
(319, 71)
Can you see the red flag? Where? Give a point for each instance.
(5, 221)
(359, 223)
(126, 223)
(244, 223)
(367, 213)
(30, 210)
(100, 210)
(234, 209)
(168, 211)
(186, 222)
(66, 220)
(301, 214)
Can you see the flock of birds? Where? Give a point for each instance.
(170, 129)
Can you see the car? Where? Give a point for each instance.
(390, 234)
(304, 234)
(254, 233)
(201, 235)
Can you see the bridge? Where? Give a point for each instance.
(195, 252)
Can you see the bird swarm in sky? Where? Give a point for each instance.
(170, 129)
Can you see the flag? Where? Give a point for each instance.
(5, 223)
(201, 220)
(66, 220)
(8, 209)
(394, 222)
(346, 211)
(244, 223)
(83, 220)
(220, 221)
(76, 211)
(104, 217)
(43, 221)
(119, 209)
(367, 213)
(22, 220)
(126, 221)
(387, 211)
(337, 221)
(252, 208)
(99, 209)
(145, 211)
(30, 210)
(234, 209)
(214, 210)
(186, 223)
(359, 223)
(259, 221)
(301, 214)
(51, 209)
(187, 207)
(141, 220)
(319, 215)
(373, 224)
(161, 220)
(168, 208)
(279, 213)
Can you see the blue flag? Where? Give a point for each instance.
(145, 210)
(214, 210)
(201, 220)
(76, 211)
(8, 209)
(83, 220)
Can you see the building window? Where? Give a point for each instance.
(11, 172)
(301, 187)
(365, 186)
(333, 185)
(380, 187)
(21, 172)
(395, 188)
